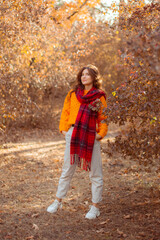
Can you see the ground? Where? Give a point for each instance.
(30, 170)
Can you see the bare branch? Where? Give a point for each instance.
(75, 12)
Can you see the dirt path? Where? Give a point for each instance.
(29, 176)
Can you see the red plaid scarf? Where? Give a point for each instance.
(84, 131)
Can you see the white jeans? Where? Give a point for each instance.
(68, 170)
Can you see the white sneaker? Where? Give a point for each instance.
(54, 206)
(93, 212)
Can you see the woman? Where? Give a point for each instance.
(82, 125)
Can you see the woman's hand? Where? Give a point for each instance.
(64, 133)
(98, 137)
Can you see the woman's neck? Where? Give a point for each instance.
(88, 87)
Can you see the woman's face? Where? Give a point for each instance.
(86, 78)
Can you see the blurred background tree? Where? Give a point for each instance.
(43, 45)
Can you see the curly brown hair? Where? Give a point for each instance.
(94, 73)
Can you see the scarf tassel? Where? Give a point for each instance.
(81, 162)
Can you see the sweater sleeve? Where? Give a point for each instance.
(63, 126)
(102, 126)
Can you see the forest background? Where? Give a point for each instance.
(44, 44)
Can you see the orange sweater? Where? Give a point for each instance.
(70, 111)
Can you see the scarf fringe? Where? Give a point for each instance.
(81, 162)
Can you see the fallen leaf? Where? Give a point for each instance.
(121, 233)
(8, 237)
(1, 221)
(35, 215)
(100, 231)
(142, 234)
(35, 227)
(56, 160)
(127, 216)
(81, 207)
(31, 237)
(104, 222)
